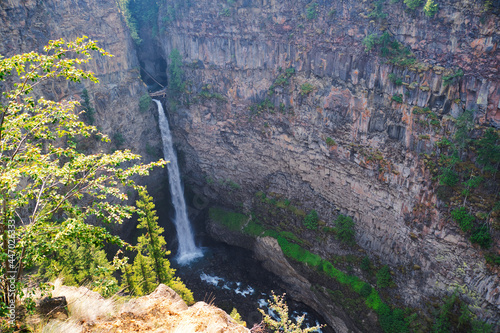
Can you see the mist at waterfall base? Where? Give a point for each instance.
(226, 276)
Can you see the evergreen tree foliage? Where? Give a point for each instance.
(488, 152)
(384, 278)
(237, 317)
(128, 283)
(311, 220)
(344, 225)
(87, 107)
(176, 73)
(150, 266)
(143, 275)
(412, 4)
(81, 264)
(152, 241)
(430, 8)
(366, 264)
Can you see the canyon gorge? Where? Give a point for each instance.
(288, 107)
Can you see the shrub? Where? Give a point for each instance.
(481, 236)
(366, 290)
(412, 4)
(144, 102)
(330, 142)
(449, 177)
(118, 139)
(396, 80)
(492, 258)
(311, 220)
(311, 11)
(377, 11)
(278, 306)
(464, 219)
(384, 278)
(366, 264)
(449, 79)
(369, 42)
(430, 8)
(392, 321)
(397, 98)
(306, 88)
(237, 317)
(344, 226)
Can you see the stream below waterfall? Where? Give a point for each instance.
(230, 277)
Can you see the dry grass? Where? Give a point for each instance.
(57, 326)
(161, 312)
(85, 305)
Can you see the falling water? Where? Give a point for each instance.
(187, 248)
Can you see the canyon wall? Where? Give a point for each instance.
(331, 134)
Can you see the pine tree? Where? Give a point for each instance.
(128, 283)
(176, 72)
(151, 267)
(152, 241)
(143, 274)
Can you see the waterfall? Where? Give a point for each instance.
(187, 247)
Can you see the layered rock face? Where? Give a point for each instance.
(329, 134)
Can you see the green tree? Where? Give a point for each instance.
(78, 265)
(175, 70)
(384, 279)
(143, 274)
(152, 241)
(130, 19)
(488, 152)
(430, 8)
(87, 107)
(344, 225)
(151, 267)
(464, 125)
(311, 220)
(48, 190)
(412, 4)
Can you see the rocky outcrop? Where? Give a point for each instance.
(162, 311)
(270, 131)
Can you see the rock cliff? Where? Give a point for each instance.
(286, 99)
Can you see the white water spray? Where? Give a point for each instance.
(187, 248)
